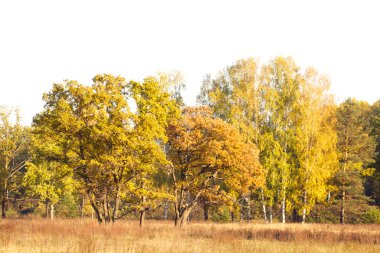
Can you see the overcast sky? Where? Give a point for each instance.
(42, 42)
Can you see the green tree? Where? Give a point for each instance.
(14, 140)
(356, 148)
(373, 181)
(281, 80)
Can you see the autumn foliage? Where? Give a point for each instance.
(209, 157)
(267, 141)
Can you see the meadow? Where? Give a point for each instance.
(75, 235)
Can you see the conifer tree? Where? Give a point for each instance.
(356, 150)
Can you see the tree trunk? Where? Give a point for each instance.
(3, 207)
(95, 208)
(283, 210)
(142, 212)
(205, 210)
(248, 201)
(177, 210)
(185, 217)
(52, 211)
(342, 211)
(115, 212)
(142, 217)
(105, 209)
(3, 204)
(82, 207)
(176, 220)
(304, 208)
(166, 210)
(263, 205)
(46, 209)
(304, 216)
(270, 214)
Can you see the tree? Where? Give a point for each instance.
(13, 154)
(315, 142)
(205, 153)
(373, 181)
(356, 147)
(280, 80)
(92, 126)
(46, 175)
(234, 97)
(155, 109)
(111, 150)
(172, 83)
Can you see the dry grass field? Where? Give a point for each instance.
(126, 236)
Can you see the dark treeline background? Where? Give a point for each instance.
(266, 142)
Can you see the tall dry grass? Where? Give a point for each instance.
(126, 236)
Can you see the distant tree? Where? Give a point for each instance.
(203, 151)
(356, 149)
(373, 181)
(14, 140)
(173, 83)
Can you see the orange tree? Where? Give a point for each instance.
(209, 156)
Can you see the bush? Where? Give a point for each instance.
(68, 207)
(372, 215)
(222, 214)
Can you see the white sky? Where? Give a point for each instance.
(42, 42)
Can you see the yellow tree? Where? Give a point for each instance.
(46, 176)
(112, 151)
(155, 109)
(92, 126)
(315, 142)
(206, 152)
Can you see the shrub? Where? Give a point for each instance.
(372, 215)
(222, 214)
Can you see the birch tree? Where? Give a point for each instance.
(316, 142)
(281, 81)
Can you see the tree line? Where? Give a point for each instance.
(266, 141)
